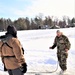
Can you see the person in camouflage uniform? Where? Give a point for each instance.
(63, 45)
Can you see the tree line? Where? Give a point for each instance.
(37, 23)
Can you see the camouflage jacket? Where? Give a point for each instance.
(61, 42)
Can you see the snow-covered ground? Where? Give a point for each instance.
(37, 53)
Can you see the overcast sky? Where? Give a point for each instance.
(14, 9)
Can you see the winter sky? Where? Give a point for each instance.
(29, 8)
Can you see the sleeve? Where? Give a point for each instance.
(17, 49)
(68, 45)
(54, 44)
(0, 48)
(0, 54)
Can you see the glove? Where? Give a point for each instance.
(53, 46)
(50, 47)
(24, 67)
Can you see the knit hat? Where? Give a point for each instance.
(58, 31)
(12, 30)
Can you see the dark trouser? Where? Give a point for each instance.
(62, 58)
(15, 72)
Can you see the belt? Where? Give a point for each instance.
(8, 56)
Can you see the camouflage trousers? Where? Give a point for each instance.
(62, 58)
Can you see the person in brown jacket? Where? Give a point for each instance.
(12, 54)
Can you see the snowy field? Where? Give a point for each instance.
(38, 55)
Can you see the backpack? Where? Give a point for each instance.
(5, 43)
